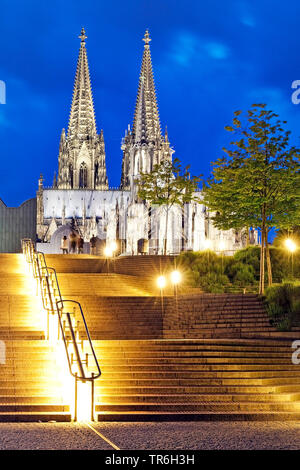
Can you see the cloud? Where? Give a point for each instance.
(4, 121)
(184, 49)
(248, 21)
(216, 50)
(245, 15)
(273, 97)
(189, 49)
(279, 100)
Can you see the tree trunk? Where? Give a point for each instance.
(268, 258)
(166, 232)
(262, 255)
(248, 238)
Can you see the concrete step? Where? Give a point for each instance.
(254, 407)
(119, 389)
(33, 408)
(160, 416)
(33, 416)
(195, 398)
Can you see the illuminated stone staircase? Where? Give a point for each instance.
(104, 285)
(149, 371)
(197, 380)
(219, 316)
(116, 306)
(29, 386)
(145, 267)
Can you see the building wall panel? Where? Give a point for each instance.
(16, 223)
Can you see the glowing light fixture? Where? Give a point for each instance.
(290, 245)
(161, 282)
(222, 246)
(175, 277)
(207, 244)
(110, 248)
(108, 251)
(84, 401)
(113, 246)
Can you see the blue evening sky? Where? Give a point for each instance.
(210, 58)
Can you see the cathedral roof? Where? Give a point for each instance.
(82, 116)
(146, 124)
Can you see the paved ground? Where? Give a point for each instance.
(151, 436)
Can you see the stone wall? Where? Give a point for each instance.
(17, 223)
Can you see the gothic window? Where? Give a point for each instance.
(149, 222)
(193, 223)
(96, 173)
(118, 227)
(182, 229)
(83, 176)
(71, 174)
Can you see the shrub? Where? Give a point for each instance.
(285, 324)
(280, 264)
(213, 282)
(213, 272)
(204, 269)
(241, 274)
(275, 311)
(249, 256)
(283, 305)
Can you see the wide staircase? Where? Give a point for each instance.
(30, 386)
(201, 357)
(197, 380)
(219, 316)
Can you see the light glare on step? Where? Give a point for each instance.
(84, 401)
(161, 282)
(175, 277)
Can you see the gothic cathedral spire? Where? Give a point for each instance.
(146, 125)
(144, 146)
(82, 150)
(82, 117)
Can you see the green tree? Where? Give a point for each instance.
(257, 183)
(167, 185)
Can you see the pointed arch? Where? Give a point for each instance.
(71, 179)
(83, 176)
(96, 173)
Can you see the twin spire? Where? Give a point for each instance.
(82, 120)
(146, 124)
(82, 151)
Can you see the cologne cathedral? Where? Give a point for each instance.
(81, 198)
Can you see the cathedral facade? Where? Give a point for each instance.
(80, 197)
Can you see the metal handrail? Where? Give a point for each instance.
(54, 304)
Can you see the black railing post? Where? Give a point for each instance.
(92, 398)
(75, 398)
(53, 303)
